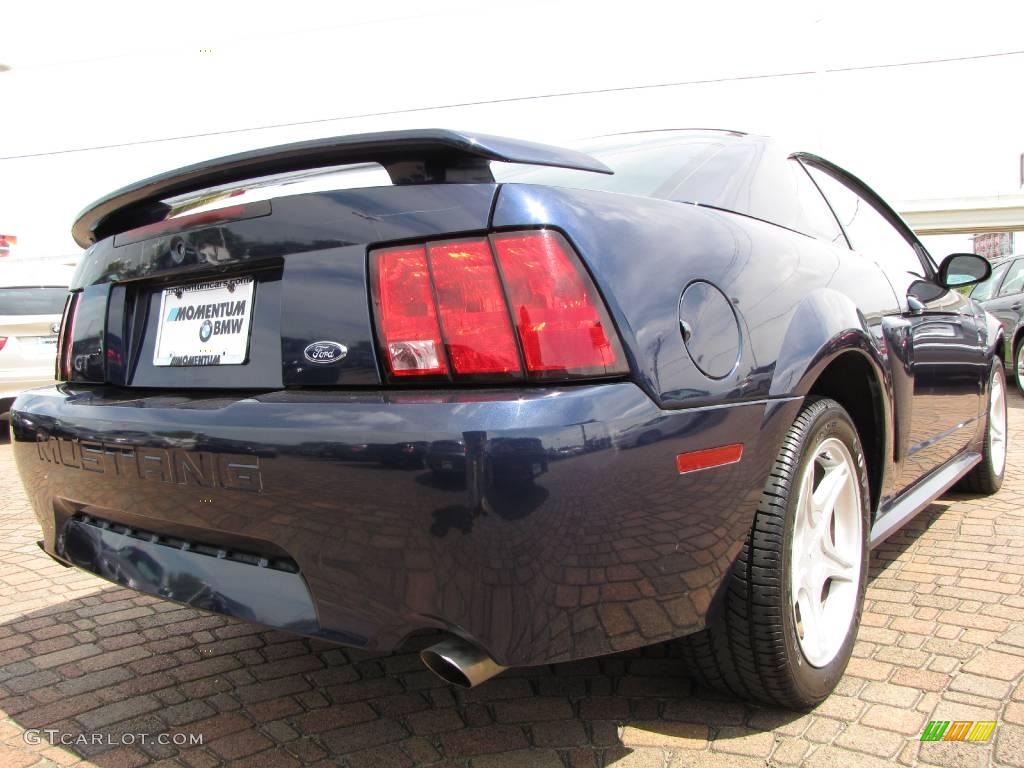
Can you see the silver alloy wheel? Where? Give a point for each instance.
(826, 552)
(997, 424)
(1020, 366)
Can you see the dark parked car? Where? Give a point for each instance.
(447, 457)
(1002, 294)
(767, 371)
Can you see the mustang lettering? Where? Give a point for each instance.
(200, 468)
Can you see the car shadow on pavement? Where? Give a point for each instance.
(113, 666)
(115, 674)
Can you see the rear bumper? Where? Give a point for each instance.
(560, 530)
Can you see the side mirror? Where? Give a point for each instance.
(960, 269)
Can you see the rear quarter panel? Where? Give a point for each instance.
(798, 301)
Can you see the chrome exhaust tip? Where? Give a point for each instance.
(460, 663)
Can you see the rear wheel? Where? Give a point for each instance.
(987, 475)
(794, 598)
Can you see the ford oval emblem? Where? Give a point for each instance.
(325, 352)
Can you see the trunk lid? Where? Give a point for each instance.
(305, 256)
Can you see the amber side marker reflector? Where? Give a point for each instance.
(708, 458)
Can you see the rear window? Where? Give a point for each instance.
(718, 169)
(351, 176)
(44, 300)
(652, 165)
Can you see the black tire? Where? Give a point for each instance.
(750, 647)
(987, 475)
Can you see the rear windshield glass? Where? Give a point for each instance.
(716, 169)
(32, 301)
(352, 176)
(652, 164)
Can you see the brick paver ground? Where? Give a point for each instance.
(942, 638)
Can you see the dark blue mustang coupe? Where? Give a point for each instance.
(552, 403)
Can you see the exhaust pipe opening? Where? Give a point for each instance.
(444, 669)
(460, 663)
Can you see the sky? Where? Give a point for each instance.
(920, 99)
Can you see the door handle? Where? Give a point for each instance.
(1015, 306)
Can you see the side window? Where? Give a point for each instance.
(868, 230)
(819, 220)
(1014, 282)
(986, 289)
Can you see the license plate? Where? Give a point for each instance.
(205, 323)
(39, 341)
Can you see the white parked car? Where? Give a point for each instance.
(32, 295)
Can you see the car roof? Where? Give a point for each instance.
(25, 273)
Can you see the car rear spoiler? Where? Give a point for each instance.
(410, 157)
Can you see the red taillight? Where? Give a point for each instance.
(474, 316)
(3, 342)
(485, 307)
(560, 319)
(411, 335)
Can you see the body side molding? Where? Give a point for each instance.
(920, 495)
